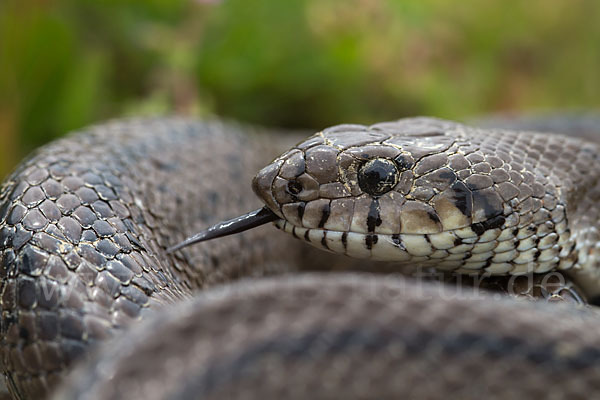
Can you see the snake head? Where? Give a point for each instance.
(418, 190)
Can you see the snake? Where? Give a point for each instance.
(97, 303)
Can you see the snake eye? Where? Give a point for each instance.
(378, 176)
(294, 187)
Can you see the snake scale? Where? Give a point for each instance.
(85, 223)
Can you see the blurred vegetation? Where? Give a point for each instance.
(296, 63)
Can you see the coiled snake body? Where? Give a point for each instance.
(86, 221)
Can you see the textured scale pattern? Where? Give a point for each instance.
(85, 221)
(465, 200)
(351, 337)
(83, 229)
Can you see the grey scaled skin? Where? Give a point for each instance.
(85, 224)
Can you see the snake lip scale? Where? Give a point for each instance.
(98, 301)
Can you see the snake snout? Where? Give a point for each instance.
(262, 186)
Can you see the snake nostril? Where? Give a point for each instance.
(294, 187)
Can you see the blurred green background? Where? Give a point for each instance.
(290, 63)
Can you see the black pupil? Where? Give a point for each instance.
(378, 176)
(294, 187)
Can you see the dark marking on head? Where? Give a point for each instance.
(488, 201)
(458, 241)
(537, 254)
(373, 218)
(515, 231)
(439, 179)
(325, 212)
(404, 162)
(434, 217)
(397, 242)
(480, 227)
(301, 207)
(345, 240)
(370, 240)
(463, 199)
(324, 240)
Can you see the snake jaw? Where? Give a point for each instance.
(262, 185)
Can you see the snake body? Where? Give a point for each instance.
(84, 224)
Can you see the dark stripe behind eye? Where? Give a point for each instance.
(345, 240)
(374, 218)
(325, 212)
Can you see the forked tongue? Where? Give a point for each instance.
(235, 225)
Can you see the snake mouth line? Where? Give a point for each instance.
(376, 246)
(462, 250)
(446, 251)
